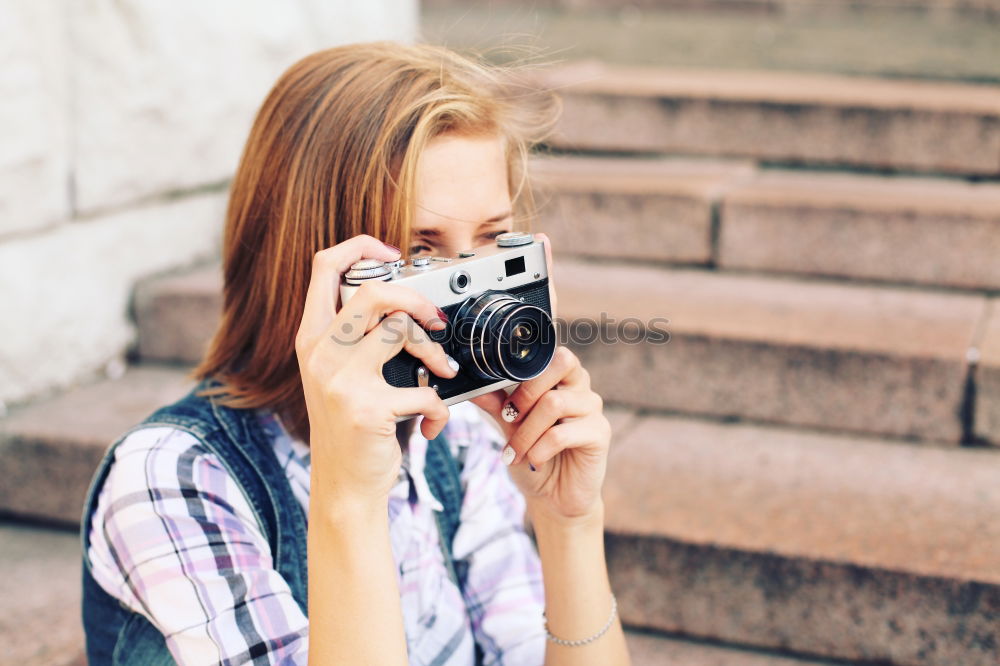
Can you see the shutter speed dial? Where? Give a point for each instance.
(368, 269)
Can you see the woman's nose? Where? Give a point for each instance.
(456, 245)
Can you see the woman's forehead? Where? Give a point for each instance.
(461, 180)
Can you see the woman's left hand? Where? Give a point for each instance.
(556, 423)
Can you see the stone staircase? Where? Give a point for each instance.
(807, 471)
(786, 468)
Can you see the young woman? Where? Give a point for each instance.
(278, 514)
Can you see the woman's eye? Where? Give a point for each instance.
(418, 249)
(493, 234)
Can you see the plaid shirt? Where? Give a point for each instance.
(148, 550)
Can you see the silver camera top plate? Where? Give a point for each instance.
(448, 280)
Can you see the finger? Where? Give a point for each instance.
(576, 434)
(492, 403)
(323, 293)
(547, 244)
(375, 300)
(563, 370)
(423, 401)
(546, 413)
(398, 331)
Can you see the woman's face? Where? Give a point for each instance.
(461, 194)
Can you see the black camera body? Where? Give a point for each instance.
(499, 314)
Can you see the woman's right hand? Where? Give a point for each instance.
(355, 456)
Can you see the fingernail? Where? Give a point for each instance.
(393, 248)
(508, 455)
(532, 467)
(509, 412)
(453, 364)
(441, 315)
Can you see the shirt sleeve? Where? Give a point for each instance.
(176, 541)
(503, 590)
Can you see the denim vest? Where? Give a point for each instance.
(116, 635)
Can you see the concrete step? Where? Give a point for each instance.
(40, 612)
(811, 37)
(632, 11)
(40, 593)
(49, 450)
(177, 314)
(779, 117)
(648, 209)
(859, 549)
(936, 232)
(866, 359)
(861, 358)
(987, 377)
(650, 649)
(909, 230)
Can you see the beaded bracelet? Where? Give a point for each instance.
(583, 641)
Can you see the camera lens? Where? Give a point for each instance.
(499, 337)
(519, 349)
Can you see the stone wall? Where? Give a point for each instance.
(122, 123)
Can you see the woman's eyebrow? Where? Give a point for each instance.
(500, 217)
(432, 232)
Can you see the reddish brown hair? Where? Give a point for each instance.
(332, 154)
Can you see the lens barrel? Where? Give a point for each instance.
(498, 337)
